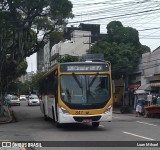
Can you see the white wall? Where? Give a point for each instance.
(151, 63)
(78, 45)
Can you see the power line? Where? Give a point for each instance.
(123, 7)
(128, 14)
(149, 29)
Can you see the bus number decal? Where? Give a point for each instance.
(87, 112)
(79, 112)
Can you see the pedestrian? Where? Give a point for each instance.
(140, 107)
(149, 99)
(154, 100)
(115, 100)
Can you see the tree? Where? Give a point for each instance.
(119, 34)
(121, 47)
(25, 27)
(68, 58)
(35, 80)
(19, 88)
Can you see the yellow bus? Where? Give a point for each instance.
(77, 92)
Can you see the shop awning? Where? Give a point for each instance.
(156, 84)
(140, 92)
(145, 87)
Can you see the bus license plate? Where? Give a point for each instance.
(87, 120)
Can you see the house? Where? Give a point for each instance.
(151, 71)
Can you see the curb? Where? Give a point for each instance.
(116, 112)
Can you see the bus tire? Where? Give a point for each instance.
(58, 125)
(95, 124)
(45, 116)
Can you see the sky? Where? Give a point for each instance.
(143, 15)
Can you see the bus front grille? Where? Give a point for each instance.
(80, 119)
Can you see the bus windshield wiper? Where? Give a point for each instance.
(75, 77)
(90, 84)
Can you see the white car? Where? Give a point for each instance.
(12, 100)
(33, 100)
(22, 97)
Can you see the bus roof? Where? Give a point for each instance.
(87, 62)
(76, 63)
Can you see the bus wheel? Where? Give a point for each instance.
(95, 124)
(58, 125)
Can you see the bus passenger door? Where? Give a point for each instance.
(56, 96)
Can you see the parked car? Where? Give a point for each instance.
(22, 97)
(12, 100)
(33, 100)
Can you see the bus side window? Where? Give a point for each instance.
(55, 83)
(42, 86)
(50, 85)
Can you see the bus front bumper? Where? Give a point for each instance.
(68, 118)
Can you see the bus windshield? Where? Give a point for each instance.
(89, 90)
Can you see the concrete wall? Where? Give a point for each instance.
(150, 65)
(79, 44)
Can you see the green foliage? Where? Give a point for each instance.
(22, 20)
(122, 48)
(68, 58)
(25, 27)
(35, 80)
(120, 34)
(21, 68)
(27, 87)
(114, 31)
(19, 88)
(56, 37)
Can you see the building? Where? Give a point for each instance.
(146, 77)
(77, 41)
(93, 28)
(26, 77)
(150, 77)
(40, 60)
(77, 46)
(47, 55)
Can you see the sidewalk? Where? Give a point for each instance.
(117, 110)
(7, 117)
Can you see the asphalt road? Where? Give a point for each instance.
(30, 126)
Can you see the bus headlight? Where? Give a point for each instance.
(64, 110)
(109, 109)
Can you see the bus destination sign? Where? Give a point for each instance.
(89, 68)
(84, 68)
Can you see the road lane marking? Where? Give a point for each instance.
(116, 117)
(102, 126)
(146, 123)
(143, 137)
